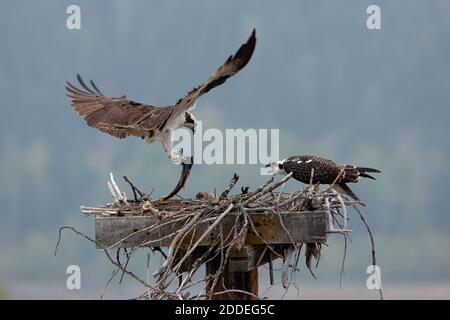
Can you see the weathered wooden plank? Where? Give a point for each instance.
(245, 259)
(303, 227)
(244, 281)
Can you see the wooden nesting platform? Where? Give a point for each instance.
(305, 227)
(231, 235)
(241, 271)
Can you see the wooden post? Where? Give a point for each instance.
(239, 280)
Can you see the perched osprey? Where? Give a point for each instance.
(324, 172)
(121, 117)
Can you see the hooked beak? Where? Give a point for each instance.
(270, 170)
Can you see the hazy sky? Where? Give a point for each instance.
(332, 87)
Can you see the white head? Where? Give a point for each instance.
(277, 168)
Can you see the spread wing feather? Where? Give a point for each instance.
(231, 66)
(116, 116)
(121, 117)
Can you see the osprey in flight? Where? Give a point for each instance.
(121, 117)
(324, 172)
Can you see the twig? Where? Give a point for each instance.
(134, 189)
(264, 191)
(343, 261)
(372, 241)
(270, 269)
(211, 227)
(233, 182)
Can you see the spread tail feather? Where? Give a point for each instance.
(344, 189)
(365, 169)
(365, 175)
(352, 173)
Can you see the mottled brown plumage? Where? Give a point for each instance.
(323, 171)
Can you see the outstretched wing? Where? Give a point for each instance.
(116, 116)
(232, 65)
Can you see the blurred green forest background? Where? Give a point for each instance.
(375, 98)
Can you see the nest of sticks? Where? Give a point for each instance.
(177, 276)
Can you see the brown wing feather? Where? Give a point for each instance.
(121, 117)
(232, 65)
(116, 116)
(325, 171)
